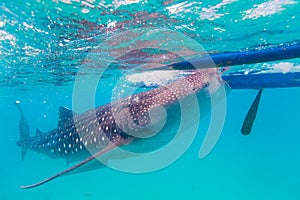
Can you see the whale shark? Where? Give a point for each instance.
(125, 123)
(84, 137)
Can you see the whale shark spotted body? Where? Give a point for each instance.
(84, 137)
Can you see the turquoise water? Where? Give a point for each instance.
(43, 44)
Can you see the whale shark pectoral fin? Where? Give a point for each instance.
(65, 117)
(109, 147)
(93, 165)
(106, 149)
(251, 115)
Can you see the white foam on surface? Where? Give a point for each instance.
(267, 8)
(282, 67)
(265, 68)
(152, 78)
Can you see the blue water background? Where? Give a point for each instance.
(263, 165)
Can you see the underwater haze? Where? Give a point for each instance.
(47, 47)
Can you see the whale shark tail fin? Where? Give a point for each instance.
(24, 131)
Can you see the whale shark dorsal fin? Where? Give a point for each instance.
(38, 133)
(65, 116)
